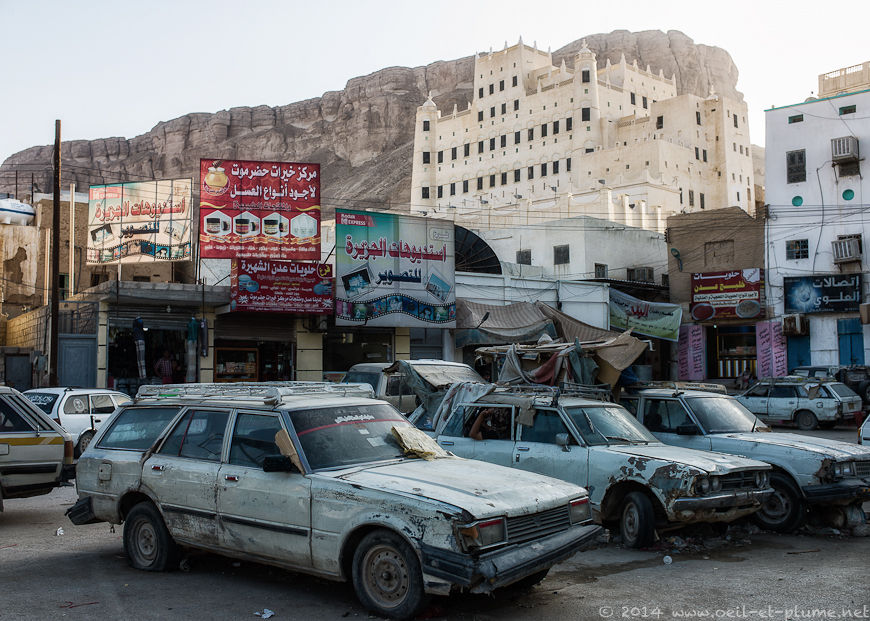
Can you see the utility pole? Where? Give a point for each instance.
(55, 262)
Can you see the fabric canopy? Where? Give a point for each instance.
(521, 322)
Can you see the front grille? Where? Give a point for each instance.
(738, 480)
(862, 468)
(527, 527)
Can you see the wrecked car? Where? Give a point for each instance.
(806, 402)
(321, 479)
(635, 482)
(808, 472)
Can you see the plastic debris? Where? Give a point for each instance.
(58, 532)
(667, 560)
(266, 614)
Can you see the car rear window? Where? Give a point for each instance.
(841, 390)
(43, 400)
(358, 377)
(137, 429)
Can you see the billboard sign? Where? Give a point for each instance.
(280, 286)
(259, 210)
(656, 319)
(728, 295)
(139, 222)
(825, 293)
(394, 270)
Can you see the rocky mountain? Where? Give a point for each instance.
(362, 135)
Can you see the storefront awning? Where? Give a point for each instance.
(521, 322)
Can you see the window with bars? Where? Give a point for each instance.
(796, 166)
(797, 249)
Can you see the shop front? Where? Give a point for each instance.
(254, 347)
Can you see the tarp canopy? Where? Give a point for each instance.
(521, 322)
(437, 375)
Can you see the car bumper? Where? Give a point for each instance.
(82, 512)
(721, 507)
(489, 571)
(843, 491)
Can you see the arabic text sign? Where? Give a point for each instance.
(139, 222)
(824, 293)
(655, 319)
(259, 210)
(771, 347)
(690, 353)
(727, 295)
(394, 271)
(280, 286)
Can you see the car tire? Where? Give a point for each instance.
(785, 510)
(84, 441)
(387, 577)
(806, 420)
(147, 541)
(637, 521)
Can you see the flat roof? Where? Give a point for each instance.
(866, 90)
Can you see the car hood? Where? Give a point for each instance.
(712, 463)
(757, 441)
(480, 488)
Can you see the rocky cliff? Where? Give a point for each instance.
(362, 135)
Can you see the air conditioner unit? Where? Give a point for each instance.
(641, 274)
(795, 325)
(846, 250)
(844, 149)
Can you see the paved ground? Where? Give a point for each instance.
(83, 574)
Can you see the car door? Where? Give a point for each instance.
(75, 413)
(663, 417)
(536, 449)
(267, 514)
(102, 406)
(782, 403)
(183, 475)
(31, 452)
(496, 449)
(755, 399)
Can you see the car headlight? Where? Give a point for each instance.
(715, 484)
(761, 479)
(578, 510)
(702, 485)
(483, 534)
(844, 469)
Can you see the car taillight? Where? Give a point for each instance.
(68, 451)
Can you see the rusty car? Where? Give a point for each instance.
(636, 483)
(323, 479)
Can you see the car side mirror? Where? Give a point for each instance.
(562, 440)
(278, 463)
(688, 430)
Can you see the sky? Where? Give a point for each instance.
(117, 68)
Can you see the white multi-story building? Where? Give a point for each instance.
(539, 143)
(819, 196)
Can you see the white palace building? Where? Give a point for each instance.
(539, 143)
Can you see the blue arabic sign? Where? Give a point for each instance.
(824, 293)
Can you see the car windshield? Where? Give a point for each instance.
(722, 414)
(338, 437)
(362, 377)
(43, 400)
(841, 390)
(608, 424)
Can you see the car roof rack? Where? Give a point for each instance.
(680, 386)
(599, 392)
(270, 393)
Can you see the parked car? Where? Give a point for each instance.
(856, 377)
(80, 411)
(808, 471)
(407, 383)
(864, 433)
(806, 402)
(635, 482)
(36, 455)
(322, 479)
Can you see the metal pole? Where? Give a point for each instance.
(55, 261)
(71, 284)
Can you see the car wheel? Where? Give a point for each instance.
(387, 576)
(637, 521)
(806, 420)
(784, 511)
(147, 542)
(84, 441)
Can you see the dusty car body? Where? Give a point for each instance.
(806, 402)
(808, 471)
(342, 500)
(856, 377)
(634, 480)
(36, 454)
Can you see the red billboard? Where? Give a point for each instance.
(728, 295)
(259, 210)
(281, 286)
